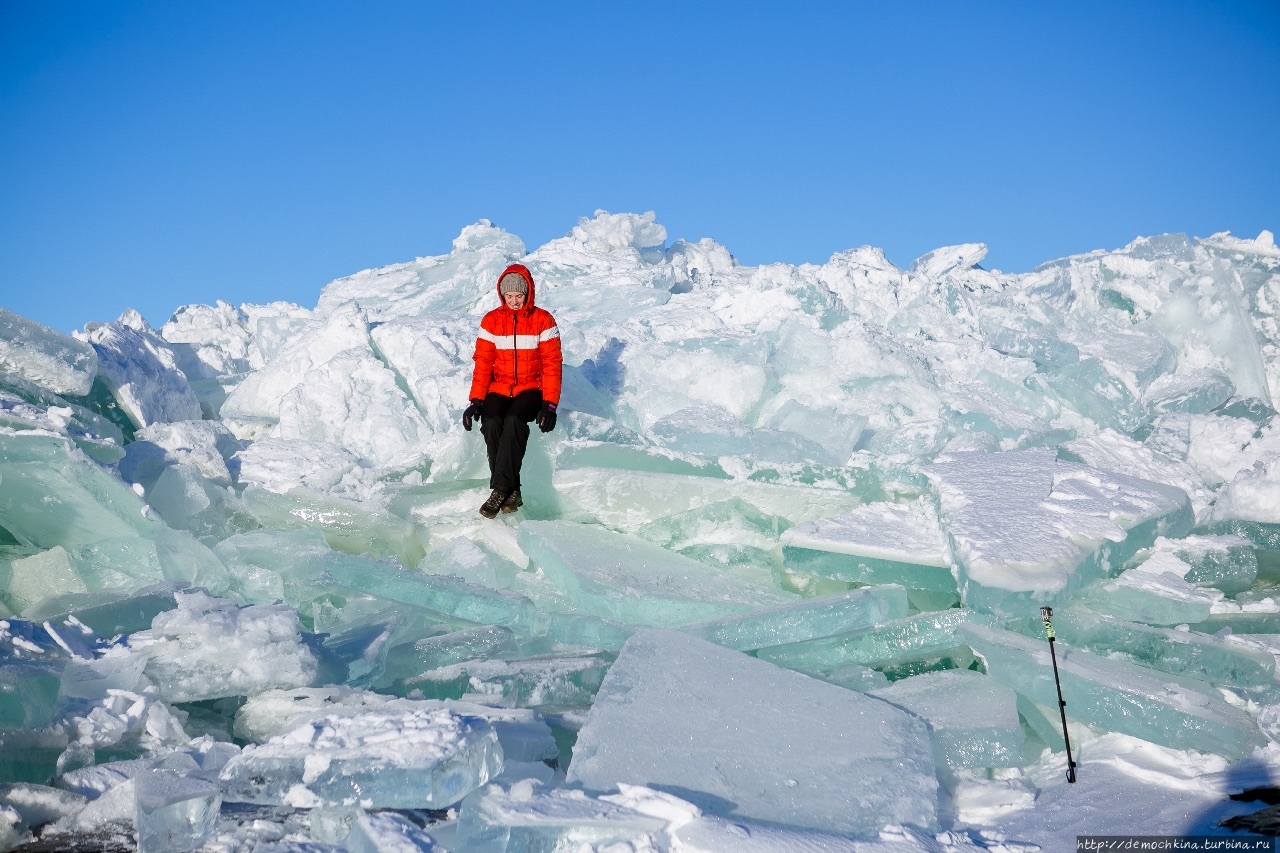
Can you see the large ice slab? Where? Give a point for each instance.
(307, 572)
(29, 579)
(433, 356)
(730, 533)
(1116, 696)
(629, 580)
(1196, 391)
(1226, 563)
(388, 832)
(443, 593)
(625, 502)
(25, 406)
(527, 817)
(347, 525)
(474, 562)
(108, 567)
(587, 631)
(414, 658)
(756, 741)
(523, 734)
(834, 433)
(572, 455)
(1109, 450)
(1026, 529)
(208, 648)
(889, 644)
(674, 383)
(28, 691)
(142, 372)
(112, 614)
(1154, 591)
(973, 718)
(187, 501)
(210, 340)
(463, 277)
(256, 401)
(713, 432)
(1097, 393)
(52, 495)
(1040, 346)
(876, 543)
(207, 445)
(1203, 656)
(545, 682)
(995, 407)
(279, 466)
(31, 755)
(378, 759)
(183, 559)
(356, 402)
(174, 811)
(49, 359)
(809, 619)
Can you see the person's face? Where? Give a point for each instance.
(514, 299)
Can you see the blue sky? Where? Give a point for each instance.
(154, 154)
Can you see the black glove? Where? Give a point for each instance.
(471, 413)
(547, 417)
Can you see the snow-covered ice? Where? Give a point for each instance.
(383, 758)
(140, 369)
(51, 360)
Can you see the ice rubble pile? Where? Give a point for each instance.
(776, 580)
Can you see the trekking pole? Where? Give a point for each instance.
(1045, 614)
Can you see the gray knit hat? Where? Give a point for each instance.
(513, 282)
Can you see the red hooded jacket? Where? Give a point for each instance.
(517, 350)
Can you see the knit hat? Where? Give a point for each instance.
(513, 282)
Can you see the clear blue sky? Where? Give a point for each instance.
(154, 154)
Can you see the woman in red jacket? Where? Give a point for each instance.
(516, 381)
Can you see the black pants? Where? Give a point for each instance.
(505, 425)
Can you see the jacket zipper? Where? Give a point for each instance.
(515, 349)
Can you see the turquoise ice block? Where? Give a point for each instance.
(804, 620)
(389, 758)
(1185, 653)
(626, 579)
(1114, 695)
(886, 644)
(972, 718)
(346, 525)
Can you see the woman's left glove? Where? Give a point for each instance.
(547, 417)
(471, 413)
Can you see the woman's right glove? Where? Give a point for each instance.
(471, 413)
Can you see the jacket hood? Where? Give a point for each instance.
(523, 272)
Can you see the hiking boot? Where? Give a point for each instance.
(490, 508)
(513, 502)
